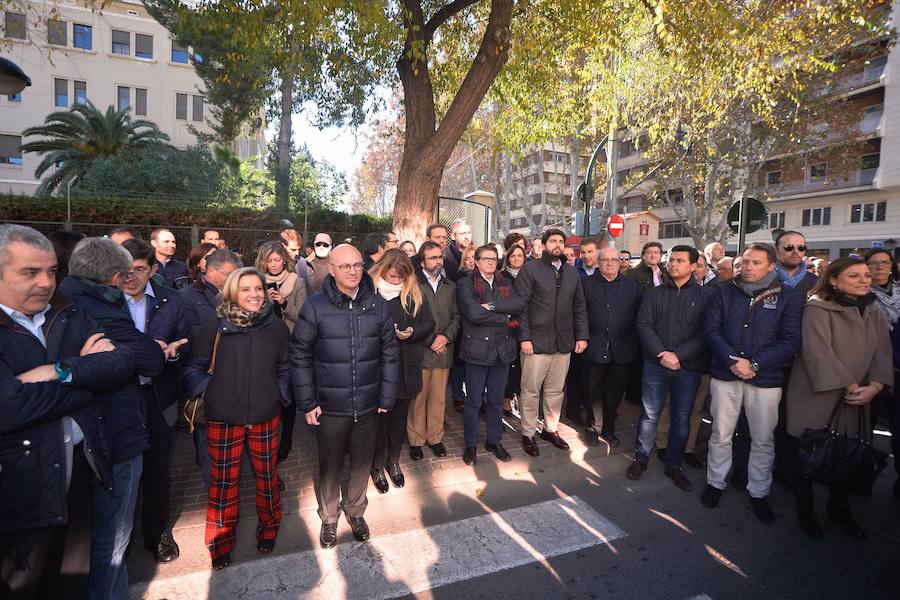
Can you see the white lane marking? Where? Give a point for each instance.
(700, 597)
(407, 562)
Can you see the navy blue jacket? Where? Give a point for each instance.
(199, 306)
(174, 273)
(671, 319)
(166, 322)
(126, 423)
(612, 308)
(485, 333)
(765, 329)
(32, 450)
(344, 355)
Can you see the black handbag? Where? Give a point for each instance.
(829, 457)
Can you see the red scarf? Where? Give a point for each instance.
(483, 293)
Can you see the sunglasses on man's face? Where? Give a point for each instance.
(323, 245)
(790, 248)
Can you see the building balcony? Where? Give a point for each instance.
(871, 77)
(862, 178)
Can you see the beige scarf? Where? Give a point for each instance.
(285, 282)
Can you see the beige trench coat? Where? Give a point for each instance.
(840, 347)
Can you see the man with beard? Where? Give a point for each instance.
(554, 324)
(791, 268)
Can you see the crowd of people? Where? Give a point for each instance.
(104, 341)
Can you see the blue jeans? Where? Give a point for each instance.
(477, 378)
(111, 531)
(681, 387)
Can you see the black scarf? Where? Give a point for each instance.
(860, 303)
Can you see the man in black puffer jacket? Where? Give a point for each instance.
(95, 269)
(344, 368)
(670, 325)
(52, 357)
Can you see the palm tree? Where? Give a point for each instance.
(74, 138)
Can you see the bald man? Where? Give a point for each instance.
(344, 369)
(725, 269)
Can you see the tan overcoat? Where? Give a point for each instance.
(840, 347)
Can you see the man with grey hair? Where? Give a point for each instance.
(96, 268)
(52, 358)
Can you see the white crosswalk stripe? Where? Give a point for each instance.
(407, 562)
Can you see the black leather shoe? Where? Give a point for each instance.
(396, 475)
(843, 519)
(678, 478)
(328, 535)
(499, 451)
(415, 453)
(265, 546)
(379, 480)
(611, 439)
(635, 470)
(165, 550)
(762, 510)
(469, 456)
(223, 561)
(809, 523)
(710, 496)
(530, 446)
(592, 438)
(359, 528)
(554, 439)
(439, 450)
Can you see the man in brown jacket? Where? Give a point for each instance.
(426, 415)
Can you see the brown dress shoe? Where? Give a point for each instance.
(554, 439)
(636, 469)
(530, 446)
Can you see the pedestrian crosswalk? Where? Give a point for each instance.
(407, 562)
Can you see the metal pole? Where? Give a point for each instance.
(742, 225)
(588, 183)
(69, 204)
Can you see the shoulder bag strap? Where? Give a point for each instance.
(212, 361)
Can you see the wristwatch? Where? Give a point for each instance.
(63, 371)
(754, 366)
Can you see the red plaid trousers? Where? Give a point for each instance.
(226, 445)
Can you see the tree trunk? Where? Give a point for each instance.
(427, 146)
(285, 131)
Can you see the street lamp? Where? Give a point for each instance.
(12, 79)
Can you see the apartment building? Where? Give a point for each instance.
(842, 206)
(119, 55)
(542, 177)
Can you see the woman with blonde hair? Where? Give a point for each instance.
(287, 292)
(467, 262)
(396, 282)
(240, 365)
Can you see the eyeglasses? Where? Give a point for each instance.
(790, 248)
(879, 263)
(138, 271)
(488, 259)
(323, 245)
(348, 268)
(624, 259)
(438, 257)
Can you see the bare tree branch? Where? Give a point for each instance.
(443, 15)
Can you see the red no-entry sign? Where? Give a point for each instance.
(616, 226)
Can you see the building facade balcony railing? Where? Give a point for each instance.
(862, 177)
(864, 78)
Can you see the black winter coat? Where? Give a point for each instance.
(556, 316)
(612, 310)
(32, 450)
(126, 422)
(672, 319)
(643, 275)
(485, 334)
(344, 354)
(174, 273)
(199, 305)
(251, 378)
(166, 322)
(412, 352)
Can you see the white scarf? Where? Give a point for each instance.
(389, 291)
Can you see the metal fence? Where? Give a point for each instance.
(477, 214)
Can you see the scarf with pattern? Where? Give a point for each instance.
(888, 298)
(483, 294)
(239, 317)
